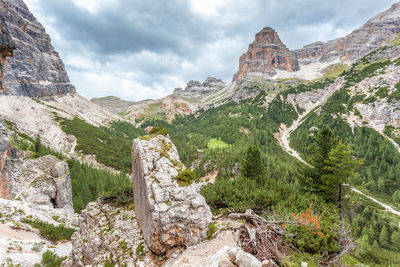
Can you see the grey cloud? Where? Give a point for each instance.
(148, 40)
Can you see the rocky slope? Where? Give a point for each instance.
(113, 104)
(358, 43)
(23, 245)
(35, 70)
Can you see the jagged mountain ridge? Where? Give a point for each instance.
(373, 34)
(35, 70)
(268, 58)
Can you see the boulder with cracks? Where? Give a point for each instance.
(169, 215)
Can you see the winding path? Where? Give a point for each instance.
(284, 141)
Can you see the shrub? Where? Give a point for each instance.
(159, 130)
(314, 234)
(212, 228)
(119, 196)
(140, 250)
(50, 259)
(186, 177)
(49, 231)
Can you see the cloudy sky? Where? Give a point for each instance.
(140, 49)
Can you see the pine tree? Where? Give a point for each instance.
(384, 237)
(395, 238)
(252, 165)
(340, 167)
(311, 176)
(364, 246)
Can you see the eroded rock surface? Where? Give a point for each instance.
(358, 43)
(7, 154)
(195, 89)
(108, 234)
(35, 69)
(169, 215)
(42, 181)
(266, 54)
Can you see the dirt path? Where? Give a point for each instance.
(284, 140)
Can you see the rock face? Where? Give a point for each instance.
(108, 233)
(169, 215)
(5, 151)
(266, 54)
(42, 181)
(358, 43)
(35, 69)
(196, 89)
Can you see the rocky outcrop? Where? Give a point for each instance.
(266, 54)
(358, 43)
(169, 215)
(108, 233)
(195, 89)
(5, 149)
(35, 69)
(42, 181)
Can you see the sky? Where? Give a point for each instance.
(142, 49)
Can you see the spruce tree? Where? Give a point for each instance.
(252, 165)
(395, 238)
(339, 168)
(384, 237)
(311, 176)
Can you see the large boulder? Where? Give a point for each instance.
(169, 215)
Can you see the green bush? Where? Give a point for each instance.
(212, 228)
(112, 146)
(121, 196)
(49, 231)
(159, 130)
(50, 259)
(314, 234)
(186, 177)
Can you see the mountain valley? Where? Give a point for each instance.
(111, 182)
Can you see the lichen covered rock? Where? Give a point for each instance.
(169, 215)
(108, 233)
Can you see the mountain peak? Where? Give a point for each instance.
(265, 55)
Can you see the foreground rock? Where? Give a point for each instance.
(169, 215)
(22, 245)
(108, 234)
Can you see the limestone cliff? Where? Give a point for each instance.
(266, 54)
(35, 69)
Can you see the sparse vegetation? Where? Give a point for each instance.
(50, 259)
(49, 231)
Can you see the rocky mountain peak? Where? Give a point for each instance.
(265, 55)
(198, 89)
(373, 34)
